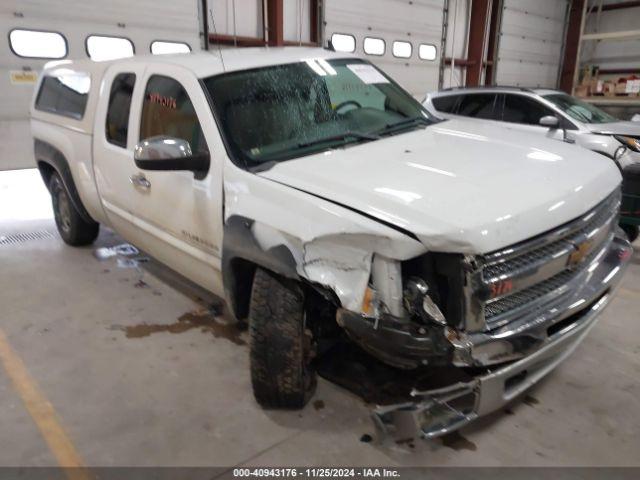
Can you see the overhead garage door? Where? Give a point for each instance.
(530, 42)
(140, 21)
(403, 38)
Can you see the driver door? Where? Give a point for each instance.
(178, 215)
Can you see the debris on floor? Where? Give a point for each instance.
(124, 249)
(386, 389)
(131, 262)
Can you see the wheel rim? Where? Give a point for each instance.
(63, 210)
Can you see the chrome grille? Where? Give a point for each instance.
(596, 218)
(541, 267)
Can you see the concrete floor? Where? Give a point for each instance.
(130, 397)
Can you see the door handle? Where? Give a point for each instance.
(139, 180)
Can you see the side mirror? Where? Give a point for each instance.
(550, 121)
(170, 154)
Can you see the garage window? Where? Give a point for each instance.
(119, 106)
(402, 49)
(427, 52)
(64, 94)
(374, 46)
(160, 47)
(101, 48)
(343, 43)
(37, 44)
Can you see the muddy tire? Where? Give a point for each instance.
(281, 371)
(632, 231)
(73, 229)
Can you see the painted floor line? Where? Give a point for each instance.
(42, 413)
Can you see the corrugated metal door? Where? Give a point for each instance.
(418, 22)
(141, 21)
(531, 42)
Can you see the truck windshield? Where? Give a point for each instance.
(287, 111)
(581, 111)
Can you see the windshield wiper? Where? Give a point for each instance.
(345, 136)
(407, 122)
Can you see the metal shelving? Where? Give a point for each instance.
(599, 37)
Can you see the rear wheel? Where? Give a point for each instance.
(632, 231)
(73, 229)
(280, 343)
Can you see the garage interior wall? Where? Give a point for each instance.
(419, 22)
(530, 43)
(141, 21)
(236, 17)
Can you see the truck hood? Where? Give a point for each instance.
(619, 128)
(459, 186)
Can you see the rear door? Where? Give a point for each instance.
(113, 144)
(479, 106)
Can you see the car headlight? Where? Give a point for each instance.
(630, 142)
(418, 302)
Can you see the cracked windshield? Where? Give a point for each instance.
(288, 111)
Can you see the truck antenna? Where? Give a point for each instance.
(215, 30)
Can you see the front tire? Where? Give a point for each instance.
(73, 229)
(280, 343)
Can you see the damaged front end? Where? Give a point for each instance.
(496, 322)
(504, 320)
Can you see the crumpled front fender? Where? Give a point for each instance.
(302, 237)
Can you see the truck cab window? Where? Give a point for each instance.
(168, 111)
(117, 124)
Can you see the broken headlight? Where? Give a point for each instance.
(418, 302)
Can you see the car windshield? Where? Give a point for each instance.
(287, 111)
(579, 110)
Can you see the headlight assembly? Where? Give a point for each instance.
(418, 302)
(630, 142)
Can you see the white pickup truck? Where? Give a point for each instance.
(318, 197)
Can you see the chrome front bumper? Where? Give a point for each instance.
(547, 339)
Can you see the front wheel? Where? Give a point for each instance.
(73, 229)
(280, 343)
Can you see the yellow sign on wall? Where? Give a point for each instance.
(22, 77)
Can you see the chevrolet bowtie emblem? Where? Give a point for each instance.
(581, 251)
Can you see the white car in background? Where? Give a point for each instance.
(551, 113)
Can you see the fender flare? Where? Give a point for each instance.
(241, 254)
(50, 155)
